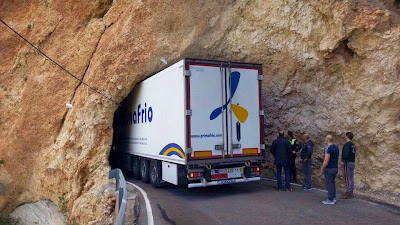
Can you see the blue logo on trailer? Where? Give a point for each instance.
(173, 149)
(141, 115)
(239, 111)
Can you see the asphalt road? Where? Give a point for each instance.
(256, 203)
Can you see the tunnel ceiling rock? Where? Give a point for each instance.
(329, 67)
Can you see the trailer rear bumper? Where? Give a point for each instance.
(227, 161)
(204, 183)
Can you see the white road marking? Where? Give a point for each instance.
(362, 200)
(372, 203)
(150, 219)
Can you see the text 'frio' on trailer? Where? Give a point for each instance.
(197, 122)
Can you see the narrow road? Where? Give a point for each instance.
(256, 203)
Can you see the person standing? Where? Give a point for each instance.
(330, 169)
(280, 149)
(292, 163)
(348, 162)
(306, 154)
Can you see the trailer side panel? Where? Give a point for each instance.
(151, 121)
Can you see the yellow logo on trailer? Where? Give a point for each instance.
(239, 111)
(173, 149)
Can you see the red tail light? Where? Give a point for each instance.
(193, 174)
(255, 169)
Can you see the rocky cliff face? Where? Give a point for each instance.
(329, 66)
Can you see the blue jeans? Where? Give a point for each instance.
(348, 175)
(330, 175)
(279, 175)
(307, 173)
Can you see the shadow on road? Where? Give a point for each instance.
(213, 191)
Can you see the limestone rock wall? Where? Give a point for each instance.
(329, 66)
(41, 212)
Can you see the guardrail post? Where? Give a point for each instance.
(120, 196)
(120, 185)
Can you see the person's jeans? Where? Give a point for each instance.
(307, 173)
(279, 175)
(330, 175)
(292, 168)
(348, 175)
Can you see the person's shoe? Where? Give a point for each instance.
(345, 196)
(334, 200)
(306, 189)
(328, 202)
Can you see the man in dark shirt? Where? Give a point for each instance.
(292, 163)
(330, 169)
(306, 154)
(280, 149)
(348, 162)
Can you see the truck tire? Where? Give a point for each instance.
(135, 167)
(155, 173)
(144, 170)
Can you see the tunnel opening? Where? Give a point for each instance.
(159, 151)
(124, 117)
(119, 159)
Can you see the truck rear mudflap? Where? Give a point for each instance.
(204, 183)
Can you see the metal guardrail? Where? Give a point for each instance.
(120, 185)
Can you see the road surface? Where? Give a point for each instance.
(256, 203)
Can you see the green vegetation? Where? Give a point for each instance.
(62, 204)
(7, 219)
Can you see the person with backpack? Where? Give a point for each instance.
(281, 150)
(348, 163)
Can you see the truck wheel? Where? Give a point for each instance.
(135, 167)
(155, 173)
(144, 170)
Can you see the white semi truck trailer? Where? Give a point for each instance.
(197, 122)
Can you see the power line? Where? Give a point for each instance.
(58, 65)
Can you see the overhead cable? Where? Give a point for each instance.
(57, 64)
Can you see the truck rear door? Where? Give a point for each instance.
(244, 111)
(225, 108)
(207, 93)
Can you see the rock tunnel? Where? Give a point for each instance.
(330, 67)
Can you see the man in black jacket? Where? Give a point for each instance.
(306, 154)
(292, 163)
(281, 149)
(348, 162)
